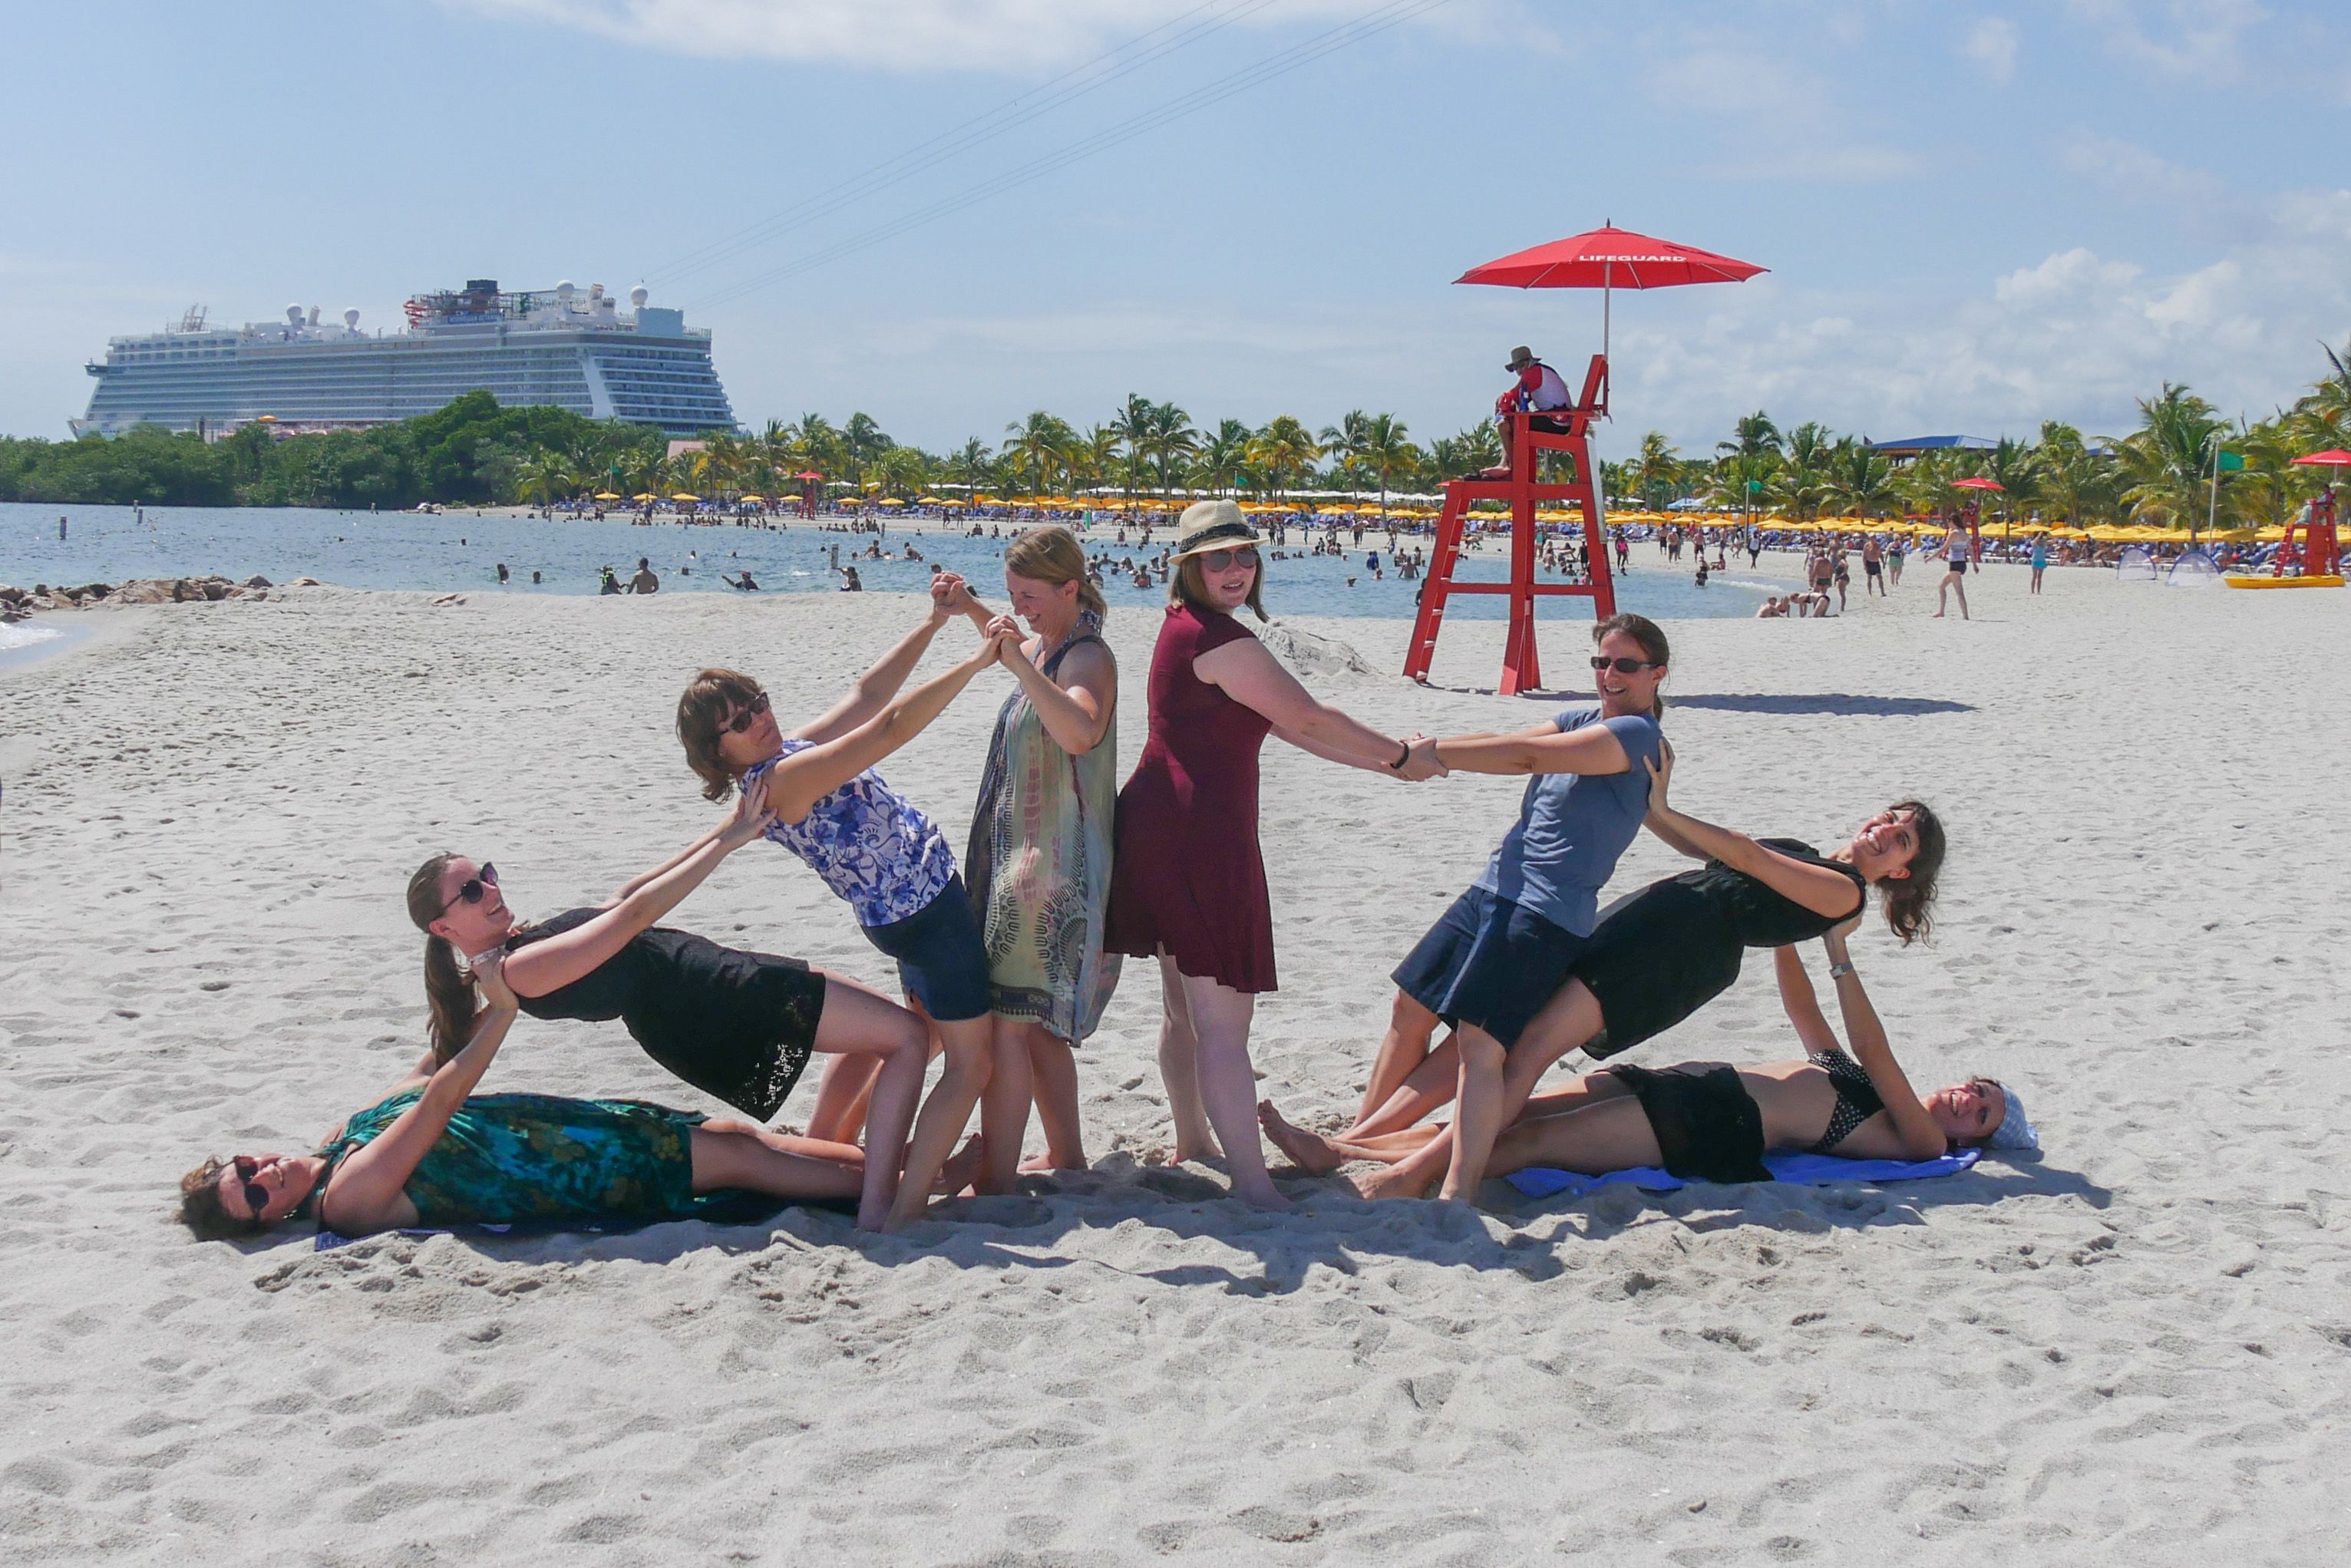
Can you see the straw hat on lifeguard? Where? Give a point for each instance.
(1521, 358)
(1213, 525)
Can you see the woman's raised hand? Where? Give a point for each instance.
(1835, 940)
(947, 595)
(1661, 775)
(490, 979)
(750, 817)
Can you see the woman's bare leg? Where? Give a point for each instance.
(733, 1157)
(1612, 1135)
(969, 1048)
(866, 1028)
(1220, 1019)
(839, 1111)
(1179, 1067)
(1318, 1155)
(1430, 1085)
(1054, 1069)
(1004, 1105)
(1404, 1048)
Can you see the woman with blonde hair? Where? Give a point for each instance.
(1188, 887)
(1038, 861)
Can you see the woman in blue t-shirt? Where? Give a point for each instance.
(1493, 960)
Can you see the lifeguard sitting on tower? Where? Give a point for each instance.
(1538, 390)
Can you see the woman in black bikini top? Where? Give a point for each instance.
(1662, 952)
(1709, 1120)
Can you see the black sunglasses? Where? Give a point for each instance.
(257, 1196)
(487, 877)
(748, 715)
(1625, 666)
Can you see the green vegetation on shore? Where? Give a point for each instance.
(475, 451)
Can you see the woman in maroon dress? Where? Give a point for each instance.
(1187, 883)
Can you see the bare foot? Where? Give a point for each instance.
(1389, 1181)
(1310, 1152)
(1046, 1164)
(1260, 1194)
(962, 1168)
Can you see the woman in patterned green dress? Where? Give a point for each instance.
(435, 1154)
(1038, 861)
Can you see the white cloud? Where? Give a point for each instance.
(917, 35)
(2135, 172)
(1991, 44)
(2199, 39)
(1785, 120)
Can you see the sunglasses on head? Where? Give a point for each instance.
(746, 715)
(475, 886)
(1225, 559)
(1625, 666)
(257, 1196)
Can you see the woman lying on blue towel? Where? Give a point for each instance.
(435, 1154)
(1709, 1120)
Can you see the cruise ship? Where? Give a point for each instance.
(559, 348)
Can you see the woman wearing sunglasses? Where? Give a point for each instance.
(1494, 960)
(1662, 952)
(879, 852)
(1187, 883)
(433, 1153)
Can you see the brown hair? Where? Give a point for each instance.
(1909, 902)
(1186, 586)
(201, 1211)
(700, 708)
(1052, 555)
(1649, 635)
(448, 991)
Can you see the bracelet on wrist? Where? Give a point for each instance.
(1402, 758)
(1840, 969)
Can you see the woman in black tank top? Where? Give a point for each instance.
(1710, 1121)
(1662, 952)
(736, 1025)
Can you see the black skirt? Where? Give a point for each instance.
(1708, 1126)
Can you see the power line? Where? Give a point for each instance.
(1058, 91)
(1379, 19)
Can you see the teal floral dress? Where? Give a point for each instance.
(510, 1159)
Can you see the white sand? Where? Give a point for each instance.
(2138, 1350)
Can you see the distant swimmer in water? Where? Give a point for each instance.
(645, 582)
(742, 580)
(502, 572)
(611, 584)
(849, 581)
(536, 577)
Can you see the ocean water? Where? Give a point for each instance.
(458, 550)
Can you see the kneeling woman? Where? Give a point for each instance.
(1659, 954)
(1708, 1121)
(433, 1153)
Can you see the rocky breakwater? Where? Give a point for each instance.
(17, 603)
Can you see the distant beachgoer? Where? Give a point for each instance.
(742, 579)
(1700, 578)
(61, 528)
(1709, 1120)
(502, 571)
(1872, 565)
(1754, 546)
(535, 577)
(1955, 572)
(1844, 575)
(435, 1154)
(644, 581)
(2039, 558)
(1188, 882)
(1774, 608)
(1893, 562)
(849, 581)
(611, 584)
(884, 857)
(1818, 572)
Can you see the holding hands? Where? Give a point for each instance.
(1420, 761)
(950, 597)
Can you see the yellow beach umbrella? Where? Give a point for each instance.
(606, 496)
(644, 495)
(761, 499)
(683, 496)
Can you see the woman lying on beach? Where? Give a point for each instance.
(435, 1154)
(1660, 953)
(877, 851)
(1493, 960)
(734, 1024)
(1708, 1121)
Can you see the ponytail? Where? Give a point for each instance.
(448, 990)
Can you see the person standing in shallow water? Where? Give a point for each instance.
(1187, 885)
(1040, 857)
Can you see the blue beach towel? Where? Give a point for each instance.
(1806, 1170)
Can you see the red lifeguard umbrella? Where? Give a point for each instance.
(2335, 458)
(808, 474)
(1609, 258)
(1978, 484)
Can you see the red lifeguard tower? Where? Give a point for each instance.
(1606, 258)
(1524, 442)
(2311, 546)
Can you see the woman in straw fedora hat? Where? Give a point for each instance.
(1187, 883)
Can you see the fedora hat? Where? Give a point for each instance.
(1521, 358)
(1213, 525)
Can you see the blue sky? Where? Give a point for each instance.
(1976, 216)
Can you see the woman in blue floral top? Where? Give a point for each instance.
(880, 853)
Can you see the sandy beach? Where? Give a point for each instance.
(2137, 1348)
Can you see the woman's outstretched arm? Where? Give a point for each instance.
(1247, 671)
(1803, 1007)
(1593, 750)
(543, 966)
(1818, 888)
(879, 684)
(1921, 1138)
(1074, 703)
(797, 783)
(368, 1183)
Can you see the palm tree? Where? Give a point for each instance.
(1755, 436)
(905, 472)
(969, 464)
(1224, 455)
(1656, 471)
(2076, 483)
(862, 443)
(1039, 449)
(1169, 437)
(1387, 449)
(544, 477)
(1284, 449)
(1861, 481)
(1132, 425)
(2168, 461)
(819, 446)
(1346, 441)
